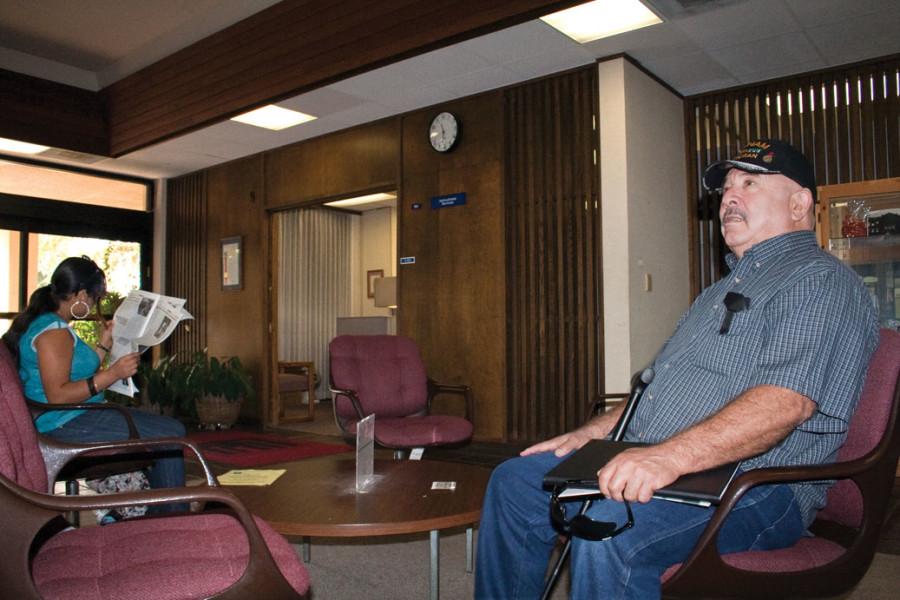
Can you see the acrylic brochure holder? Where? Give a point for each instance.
(365, 453)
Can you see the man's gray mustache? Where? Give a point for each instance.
(730, 212)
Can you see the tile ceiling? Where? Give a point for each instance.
(703, 45)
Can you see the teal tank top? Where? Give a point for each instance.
(85, 363)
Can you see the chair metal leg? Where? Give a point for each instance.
(305, 548)
(434, 587)
(469, 561)
(72, 490)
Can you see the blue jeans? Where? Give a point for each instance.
(108, 425)
(515, 537)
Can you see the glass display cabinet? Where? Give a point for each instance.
(860, 224)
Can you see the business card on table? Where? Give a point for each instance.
(443, 485)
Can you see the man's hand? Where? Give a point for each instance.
(595, 429)
(637, 473)
(561, 444)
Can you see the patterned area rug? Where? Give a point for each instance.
(248, 449)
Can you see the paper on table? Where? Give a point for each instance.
(250, 476)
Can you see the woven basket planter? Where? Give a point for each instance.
(216, 411)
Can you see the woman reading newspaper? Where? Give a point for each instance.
(57, 367)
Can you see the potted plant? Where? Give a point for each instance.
(217, 386)
(163, 387)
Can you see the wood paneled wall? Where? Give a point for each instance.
(553, 291)
(235, 199)
(52, 114)
(846, 121)
(186, 259)
(237, 321)
(452, 300)
(362, 159)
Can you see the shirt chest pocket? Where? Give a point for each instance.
(728, 352)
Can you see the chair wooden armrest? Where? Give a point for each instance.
(294, 369)
(435, 388)
(354, 400)
(57, 454)
(39, 408)
(288, 366)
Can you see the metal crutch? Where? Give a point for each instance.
(637, 388)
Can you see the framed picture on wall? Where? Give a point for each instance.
(371, 276)
(231, 263)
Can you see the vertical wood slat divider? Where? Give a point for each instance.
(186, 260)
(893, 117)
(848, 140)
(552, 275)
(880, 127)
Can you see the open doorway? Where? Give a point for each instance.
(327, 262)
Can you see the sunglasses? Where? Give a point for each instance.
(582, 525)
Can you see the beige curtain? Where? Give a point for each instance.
(314, 273)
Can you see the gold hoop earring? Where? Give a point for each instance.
(87, 309)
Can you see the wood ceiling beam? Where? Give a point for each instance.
(287, 49)
(52, 114)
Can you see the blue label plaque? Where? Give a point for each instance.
(448, 200)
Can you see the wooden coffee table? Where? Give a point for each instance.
(317, 498)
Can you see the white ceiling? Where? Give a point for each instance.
(703, 45)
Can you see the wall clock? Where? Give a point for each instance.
(444, 132)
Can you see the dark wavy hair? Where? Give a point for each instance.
(70, 277)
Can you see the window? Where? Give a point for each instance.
(83, 213)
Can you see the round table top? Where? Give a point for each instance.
(318, 498)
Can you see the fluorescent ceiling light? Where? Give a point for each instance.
(273, 117)
(367, 199)
(21, 147)
(601, 18)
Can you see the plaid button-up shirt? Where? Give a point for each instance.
(810, 327)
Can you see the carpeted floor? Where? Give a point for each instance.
(250, 449)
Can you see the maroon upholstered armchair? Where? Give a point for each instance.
(385, 376)
(225, 554)
(845, 531)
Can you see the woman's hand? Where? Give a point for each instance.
(125, 366)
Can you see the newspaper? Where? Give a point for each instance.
(144, 319)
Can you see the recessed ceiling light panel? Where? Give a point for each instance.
(601, 18)
(273, 117)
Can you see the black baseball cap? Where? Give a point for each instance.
(773, 157)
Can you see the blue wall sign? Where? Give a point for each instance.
(448, 200)
(407, 260)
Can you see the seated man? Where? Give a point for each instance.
(771, 382)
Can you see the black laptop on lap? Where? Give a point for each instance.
(576, 476)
